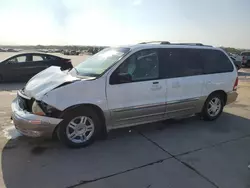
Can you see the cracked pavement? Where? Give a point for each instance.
(172, 154)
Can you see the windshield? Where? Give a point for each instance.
(100, 62)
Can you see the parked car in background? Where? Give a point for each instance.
(12, 50)
(71, 52)
(74, 52)
(66, 52)
(237, 63)
(23, 66)
(246, 58)
(126, 86)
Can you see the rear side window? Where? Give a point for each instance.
(180, 62)
(37, 58)
(216, 61)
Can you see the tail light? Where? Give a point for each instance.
(236, 84)
(244, 59)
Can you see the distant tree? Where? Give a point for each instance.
(232, 50)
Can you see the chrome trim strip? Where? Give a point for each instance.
(155, 105)
(22, 95)
(183, 100)
(137, 123)
(143, 116)
(139, 107)
(180, 110)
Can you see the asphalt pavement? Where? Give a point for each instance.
(172, 154)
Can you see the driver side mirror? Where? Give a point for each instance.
(120, 78)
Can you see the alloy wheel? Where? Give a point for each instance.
(80, 129)
(214, 107)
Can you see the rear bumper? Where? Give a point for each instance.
(231, 97)
(32, 125)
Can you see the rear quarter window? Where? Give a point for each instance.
(49, 58)
(216, 61)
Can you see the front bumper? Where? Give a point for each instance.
(231, 97)
(32, 125)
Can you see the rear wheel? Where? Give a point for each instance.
(213, 107)
(79, 128)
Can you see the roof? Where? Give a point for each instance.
(30, 52)
(27, 52)
(173, 45)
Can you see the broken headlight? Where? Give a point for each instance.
(36, 109)
(49, 110)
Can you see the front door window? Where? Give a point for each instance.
(19, 59)
(143, 65)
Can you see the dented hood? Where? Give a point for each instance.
(46, 81)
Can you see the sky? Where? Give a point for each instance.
(120, 22)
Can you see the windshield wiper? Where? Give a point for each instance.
(74, 69)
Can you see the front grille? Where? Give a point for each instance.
(25, 104)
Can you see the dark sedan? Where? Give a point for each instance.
(23, 66)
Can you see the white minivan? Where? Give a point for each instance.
(126, 86)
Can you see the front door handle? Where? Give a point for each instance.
(156, 86)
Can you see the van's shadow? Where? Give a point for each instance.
(11, 86)
(30, 162)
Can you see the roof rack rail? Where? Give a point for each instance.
(194, 44)
(166, 42)
(161, 42)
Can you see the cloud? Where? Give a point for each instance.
(137, 2)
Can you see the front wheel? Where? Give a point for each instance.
(79, 128)
(213, 107)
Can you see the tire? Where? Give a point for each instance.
(73, 119)
(1, 78)
(209, 112)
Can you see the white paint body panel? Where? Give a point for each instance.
(129, 102)
(81, 92)
(221, 81)
(182, 95)
(184, 88)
